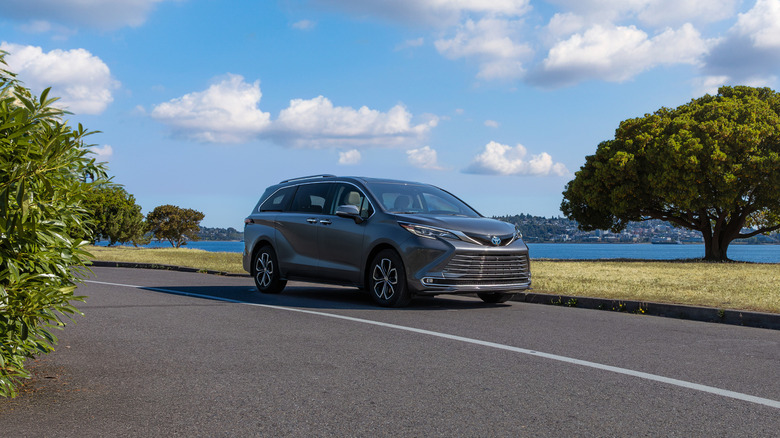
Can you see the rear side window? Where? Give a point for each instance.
(279, 200)
(310, 198)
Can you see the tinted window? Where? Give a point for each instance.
(419, 199)
(310, 198)
(279, 200)
(347, 194)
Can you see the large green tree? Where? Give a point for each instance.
(45, 175)
(174, 224)
(115, 216)
(711, 165)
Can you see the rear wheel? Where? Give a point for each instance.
(265, 271)
(495, 297)
(387, 280)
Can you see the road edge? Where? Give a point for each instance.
(693, 313)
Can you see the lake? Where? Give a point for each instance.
(577, 251)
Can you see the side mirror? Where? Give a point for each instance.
(349, 211)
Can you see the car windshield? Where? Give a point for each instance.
(406, 198)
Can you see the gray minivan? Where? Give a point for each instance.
(396, 239)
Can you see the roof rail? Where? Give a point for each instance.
(324, 175)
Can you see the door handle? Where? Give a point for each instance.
(325, 221)
(311, 220)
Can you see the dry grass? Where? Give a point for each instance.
(193, 258)
(740, 286)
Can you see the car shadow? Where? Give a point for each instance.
(320, 297)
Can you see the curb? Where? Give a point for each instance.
(105, 264)
(693, 313)
(679, 311)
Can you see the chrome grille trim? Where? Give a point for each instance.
(486, 270)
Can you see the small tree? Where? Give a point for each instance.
(44, 173)
(174, 224)
(115, 216)
(712, 165)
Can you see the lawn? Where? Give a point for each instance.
(740, 286)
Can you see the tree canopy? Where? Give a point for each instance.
(711, 165)
(115, 216)
(174, 224)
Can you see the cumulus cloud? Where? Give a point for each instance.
(492, 42)
(492, 124)
(317, 123)
(228, 112)
(424, 158)
(653, 13)
(349, 157)
(82, 80)
(429, 12)
(501, 159)
(750, 52)
(101, 14)
(618, 53)
(102, 153)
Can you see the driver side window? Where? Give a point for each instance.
(347, 194)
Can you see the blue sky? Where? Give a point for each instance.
(204, 103)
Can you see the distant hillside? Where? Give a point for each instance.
(231, 233)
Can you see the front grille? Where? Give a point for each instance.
(479, 269)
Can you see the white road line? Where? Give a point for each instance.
(628, 372)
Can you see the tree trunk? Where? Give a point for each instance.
(716, 244)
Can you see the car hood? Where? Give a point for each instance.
(468, 225)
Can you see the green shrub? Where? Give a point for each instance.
(45, 173)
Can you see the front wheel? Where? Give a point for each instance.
(495, 298)
(387, 280)
(265, 271)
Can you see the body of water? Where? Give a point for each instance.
(577, 251)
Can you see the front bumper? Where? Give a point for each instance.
(460, 267)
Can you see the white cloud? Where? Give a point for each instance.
(304, 25)
(410, 43)
(653, 13)
(350, 157)
(101, 14)
(429, 12)
(492, 43)
(317, 123)
(424, 158)
(761, 24)
(226, 112)
(492, 124)
(102, 153)
(749, 54)
(81, 79)
(500, 159)
(617, 53)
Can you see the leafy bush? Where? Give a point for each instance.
(45, 174)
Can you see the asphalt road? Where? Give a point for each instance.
(323, 361)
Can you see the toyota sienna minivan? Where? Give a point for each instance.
(396, 239)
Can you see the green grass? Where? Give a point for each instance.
(741, 286)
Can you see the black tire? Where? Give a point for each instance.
(495, 297)
(387, 280)
(265, 271)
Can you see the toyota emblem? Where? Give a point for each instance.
(496, 240)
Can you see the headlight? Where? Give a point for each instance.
(428, 232)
